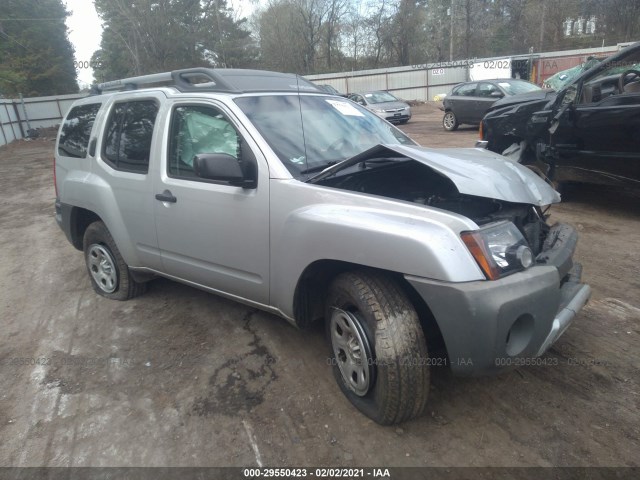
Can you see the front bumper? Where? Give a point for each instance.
(396, 118)
(490, 325)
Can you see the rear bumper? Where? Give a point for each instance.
(488, 326)
(481, 144)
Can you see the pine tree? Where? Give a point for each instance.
(36, 57)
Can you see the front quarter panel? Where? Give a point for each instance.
(311, 223)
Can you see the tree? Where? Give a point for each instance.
(146, 36)
(281, 43)
(36, 57)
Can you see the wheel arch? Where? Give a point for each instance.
(313, 284)
(80, 219)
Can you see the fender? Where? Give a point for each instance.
(365, 230)
(91, 192)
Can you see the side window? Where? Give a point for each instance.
(198, 129)
(486, 89)
(74, 137)
(468, 90)
(127, 144)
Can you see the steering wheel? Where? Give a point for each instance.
(623, 76)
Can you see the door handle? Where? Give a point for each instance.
(166, 196)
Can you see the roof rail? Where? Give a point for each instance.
(211, 80)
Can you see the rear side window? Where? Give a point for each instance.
(468, 90)
(74, 137)
(127, 142)
(486, 89)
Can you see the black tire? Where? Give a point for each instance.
(395, 346)
(101, 255)
(450, 121)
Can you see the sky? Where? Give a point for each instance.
(85, 31)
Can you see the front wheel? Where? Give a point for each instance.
(109, 274)
(450, 122)
(378, 350)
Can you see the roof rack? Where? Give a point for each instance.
(226, 80)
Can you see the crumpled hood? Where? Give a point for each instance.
(479, 172)
(474, 171)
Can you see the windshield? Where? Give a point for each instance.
(379, 97)
(309, 133)
(515, 87)
(560, 79)
(629, 62)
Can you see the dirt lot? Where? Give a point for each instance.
(179, 377)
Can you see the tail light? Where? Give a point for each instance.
(480, 131)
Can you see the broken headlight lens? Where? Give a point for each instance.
(499, 248)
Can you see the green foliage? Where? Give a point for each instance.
(36, 57)
(147, 36)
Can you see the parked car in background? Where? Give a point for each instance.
(469, 101)
(331, 90)
(385, 105)
(586, 132)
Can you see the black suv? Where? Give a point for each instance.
(588, 131)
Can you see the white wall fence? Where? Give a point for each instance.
(414, 82)
(424, 82)
(17, 116)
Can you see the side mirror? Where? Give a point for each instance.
(218, 166)
(496, 94)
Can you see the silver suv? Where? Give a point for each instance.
(259, 187)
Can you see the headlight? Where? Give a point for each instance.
(499, 248)
(378, 110)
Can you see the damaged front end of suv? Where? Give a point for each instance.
(528, 290)
(586, 132)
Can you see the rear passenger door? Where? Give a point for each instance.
(463, 102)
(210, 232)
(125, 160)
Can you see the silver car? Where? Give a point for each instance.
(385, 105)
(261, 188)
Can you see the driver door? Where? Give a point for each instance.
(210, 232)
(598, 142)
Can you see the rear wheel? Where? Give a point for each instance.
(378, 350)
(109, 274)
(449, 121)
